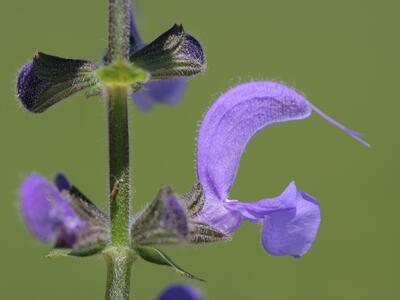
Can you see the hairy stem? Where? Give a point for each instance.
(119, 165)
(118, 29)
(119, 257)
(119, 263)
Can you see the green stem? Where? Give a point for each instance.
(118, 133)
(119, 257)
(118, 29)
(119, 263)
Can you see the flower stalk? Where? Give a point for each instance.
(120, 257)
(119, 264)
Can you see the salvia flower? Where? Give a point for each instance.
(156, 72)
(290, 222)
(167, 91)
(59, 213)
(181, 292)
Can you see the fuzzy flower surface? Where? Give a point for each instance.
(157, 72)
(290, 221)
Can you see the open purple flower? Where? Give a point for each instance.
(290, 222)
(181, 292)
(48, 214)
(58, 213)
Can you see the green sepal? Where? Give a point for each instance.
(201, 233)
(156, 256)
(175, 53)
(194, 200)
(122, 73)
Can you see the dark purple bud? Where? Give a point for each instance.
(49, 79)
(181, 292)
(173, 54)
(48, 214)
(30, 87)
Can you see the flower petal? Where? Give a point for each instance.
(257, 211)
(48, 214)
(217, 214)
(293, 231)
(232, 121)
(181, 292)
(168, 91)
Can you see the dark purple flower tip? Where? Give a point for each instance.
(48, 214)
(181, 292)
(227, 127)
(62, 182)
(168, 92)
(49, 79)
(30, 87)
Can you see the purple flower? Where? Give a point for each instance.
(167, 60)
(181, 292)
(168, 91)
(290, 221)
(48, 214)
(61, 214)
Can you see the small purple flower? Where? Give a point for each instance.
(290, 221)
(168, 91)
(61, 214)
(48, 214)
(181, 292)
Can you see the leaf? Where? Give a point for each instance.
(156, 256)
(59, 252)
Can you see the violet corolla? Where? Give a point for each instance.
(290, 221)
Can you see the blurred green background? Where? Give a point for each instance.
(344, 55)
